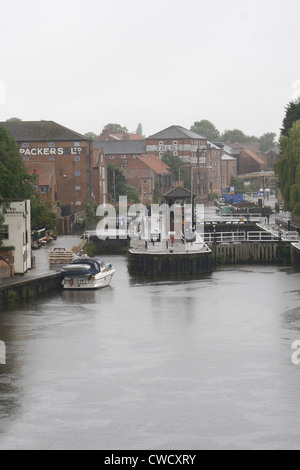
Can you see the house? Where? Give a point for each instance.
(109, 135)
(69, 152)
(44, 181)
(148, 173)
(247, 160)
(16, 232)
(178, 141)
(271, 157)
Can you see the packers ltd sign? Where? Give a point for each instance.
(46, 152)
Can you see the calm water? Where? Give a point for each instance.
(155, 365)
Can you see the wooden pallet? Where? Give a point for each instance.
(61, 256)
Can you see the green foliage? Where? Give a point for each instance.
(42, 215)
(288, 169)
(175, 164)
(206, 129)
(116, 128)
(292, 114)
(238, 184)
(89, 249)
(267, 141)
(91, 218)
(234, 135)
(139, 130)
(117, 185)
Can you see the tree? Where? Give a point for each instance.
(14, 119)
(288, 169)
(235, 135)
(115, 128)
(117, 185)
(206, 129)
(90, 135)
(292, 114)
(176, 166)
(267, 141)
(139, 130)
(42, 215)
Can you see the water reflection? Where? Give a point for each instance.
(198, 363)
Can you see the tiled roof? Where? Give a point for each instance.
(44, 170)
(157, 165)
(178, 192)
(41, 131)
(254, 156)
(175, 132)
(112, 136)
(122, 147)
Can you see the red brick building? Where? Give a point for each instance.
(45, 180)
(271, 157)
(121, 152)
(247, 160)
(100, 189)
(176, 140)
(70, 153)
(148, 174)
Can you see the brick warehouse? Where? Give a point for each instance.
(69, 151)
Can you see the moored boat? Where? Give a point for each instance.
(87, 273)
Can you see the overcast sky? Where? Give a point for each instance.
(159, 62)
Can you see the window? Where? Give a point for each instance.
(25, 145)
(77, 144)
(175, 154)
(26, 159)
(161, 142)
(52, 159)
(78, 173)
(111, 157)
(104, 188)
(135, 156)
(77, 158)
(123, 157)
(44, 189)
(103, 172)
(4, 235)
(175, 142)
(78, 203)
(77, 188)
(123, 167)
(161, 154)
(51, 145)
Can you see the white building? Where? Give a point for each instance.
(16, 231)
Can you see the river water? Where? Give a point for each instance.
(192, 364)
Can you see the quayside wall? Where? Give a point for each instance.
(252, 253)
(169, 264)
(29, 288)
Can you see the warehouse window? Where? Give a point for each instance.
(78, 173)
(111, 157)
(77, 158)
(25, 145)
(123, 157)
(4, 235)
(76, 144)
(51, 145)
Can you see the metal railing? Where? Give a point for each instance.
(238, 237)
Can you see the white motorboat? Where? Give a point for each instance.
(87, 273)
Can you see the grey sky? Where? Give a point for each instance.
(159, 62)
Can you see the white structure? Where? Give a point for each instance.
(16, 231)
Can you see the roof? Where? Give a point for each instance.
(41, 131)
(276, 150)
(178, 193)
(254, 156)
(157, 165)
(44, 170)
(121, 147)
(226, 157)
(113, 136)
(175, 132)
